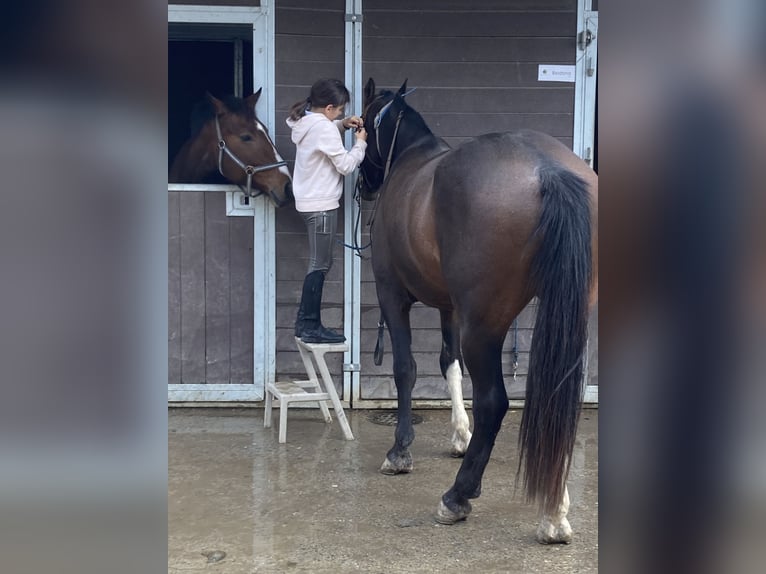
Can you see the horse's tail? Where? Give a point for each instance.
(561, 274)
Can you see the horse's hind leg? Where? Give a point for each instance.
(555, 528)
(396, 311)
(451, 363)
(490, 403)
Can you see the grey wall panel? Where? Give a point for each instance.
(241, 289)
(475, 49)
(174, 288)
(217, 290)
(192, 235)
(495, 6)
(467, 23)
(210, 292)
(217, 2)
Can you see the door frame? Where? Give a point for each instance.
(261, 19)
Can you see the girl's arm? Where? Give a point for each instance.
(345, 161)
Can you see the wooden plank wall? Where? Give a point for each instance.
(216, 2)
(310, 45)
(210, 292)
(475, 66)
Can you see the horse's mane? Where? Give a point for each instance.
(416, 120)
(203, 111)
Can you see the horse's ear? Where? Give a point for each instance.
(218, 105)
(369, 92)
(251, 100)
(402, 89)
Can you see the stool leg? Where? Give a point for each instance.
(283, 403)
(330, 389)
(267, 409)
(308, 364)
(325, 411)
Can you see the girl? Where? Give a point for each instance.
(321, 161)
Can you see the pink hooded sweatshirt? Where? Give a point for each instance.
(321, 161)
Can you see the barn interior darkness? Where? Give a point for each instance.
(202, 58)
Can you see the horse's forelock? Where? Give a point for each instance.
(204, 111)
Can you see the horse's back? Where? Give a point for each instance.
(497, 177)
(488, 205)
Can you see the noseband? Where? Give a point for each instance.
(248, 169)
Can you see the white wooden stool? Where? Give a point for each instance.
(313, 389)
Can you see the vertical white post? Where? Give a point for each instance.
(584, 123)
(352, 263)
(264, 240)
(585, 83)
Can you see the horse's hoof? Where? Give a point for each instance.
(446, 516)
(549, 533)
(402, 466)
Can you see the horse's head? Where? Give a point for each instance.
(246, 153)
(382, 113)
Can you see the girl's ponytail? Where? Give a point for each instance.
(298, 109)
(327, 91)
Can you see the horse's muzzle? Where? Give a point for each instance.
(282, 197)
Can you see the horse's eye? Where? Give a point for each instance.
(246, 137)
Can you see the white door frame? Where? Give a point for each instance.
(586, 73)
(352, 284)
(261, 19)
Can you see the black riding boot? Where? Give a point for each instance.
(312, 330)
(301, 312)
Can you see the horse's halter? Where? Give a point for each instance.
(249, 169)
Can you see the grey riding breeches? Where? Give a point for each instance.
(321, 227)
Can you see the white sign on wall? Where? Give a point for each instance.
(552, 73)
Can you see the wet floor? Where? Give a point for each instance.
(240, 502)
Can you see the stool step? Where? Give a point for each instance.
(295, 392)
(323, 347)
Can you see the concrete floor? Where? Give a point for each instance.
(239, 502)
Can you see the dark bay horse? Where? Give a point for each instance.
(229, 140)
(478, 231)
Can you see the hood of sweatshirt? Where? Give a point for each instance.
(302, 126)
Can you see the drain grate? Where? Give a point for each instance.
(389, 418)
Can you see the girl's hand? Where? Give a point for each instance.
(354, 122)
(361, 134)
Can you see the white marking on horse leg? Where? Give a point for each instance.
(555, 528)
(461, 435)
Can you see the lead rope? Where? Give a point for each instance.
(515, 349)
(378, 356)
(356, 248)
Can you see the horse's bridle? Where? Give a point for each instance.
(376, 124)
(249, 169)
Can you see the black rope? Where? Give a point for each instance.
(356, 247)
(515, 349)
